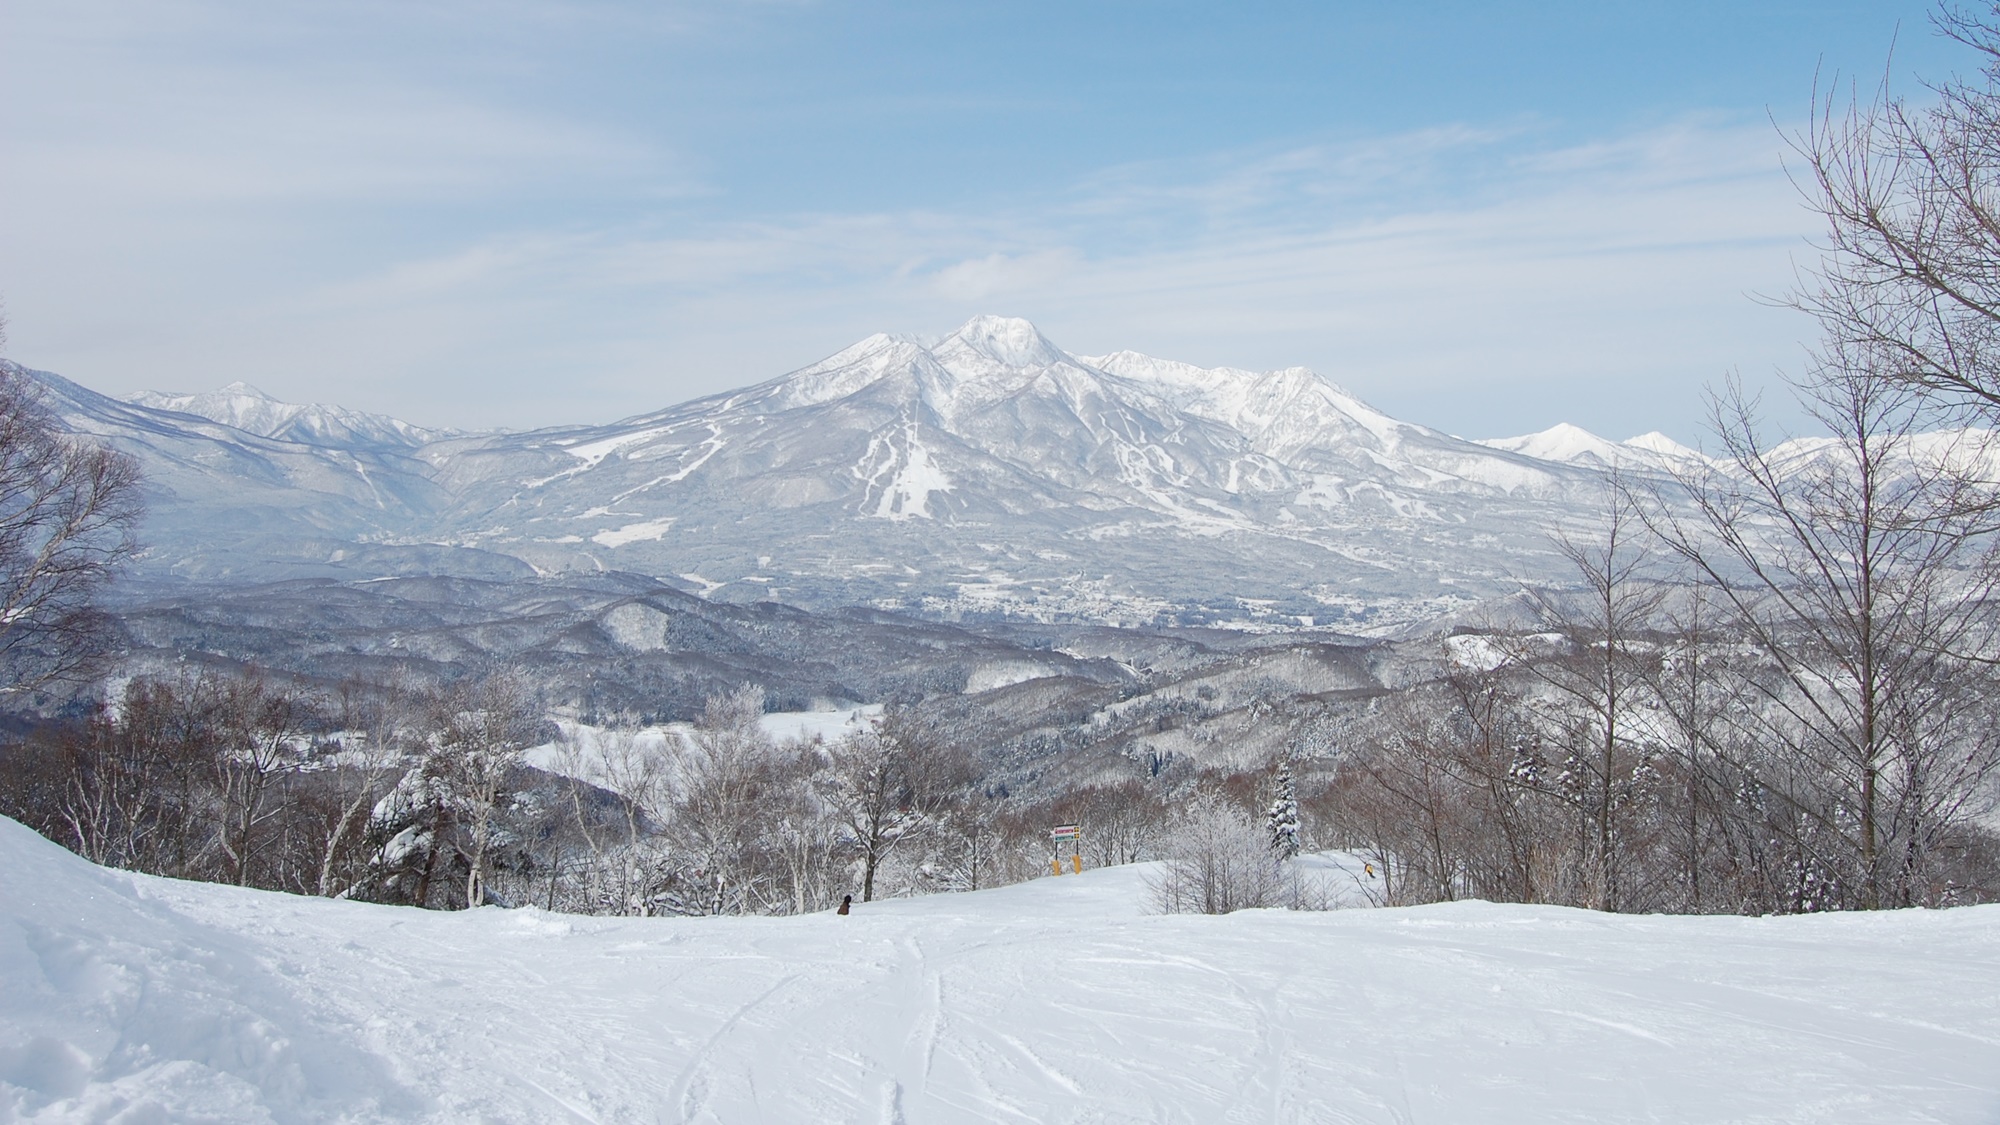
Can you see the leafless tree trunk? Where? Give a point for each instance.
(261, 721)
(1219, 860)
(1696, 688)
(727, 771)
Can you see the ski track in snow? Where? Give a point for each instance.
(1059, 1000)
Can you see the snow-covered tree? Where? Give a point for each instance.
(1282, 819)
(727, 773)
(1218, 859)
(443, 811)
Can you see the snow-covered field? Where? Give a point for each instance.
(131, 999)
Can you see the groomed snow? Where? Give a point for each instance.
(125, 998)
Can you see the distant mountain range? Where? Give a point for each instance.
(989, 474)
(246, 408)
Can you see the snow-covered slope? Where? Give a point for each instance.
(135, 999)
(251, 410)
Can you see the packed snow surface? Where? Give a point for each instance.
(135, 999)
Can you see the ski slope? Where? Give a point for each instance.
(131, 999)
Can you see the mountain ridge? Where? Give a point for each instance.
(991, 473)
(246, 408)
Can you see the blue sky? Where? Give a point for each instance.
(1484, 217)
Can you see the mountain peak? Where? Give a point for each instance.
(1578, 446)
(245, 390)
(1657, 442)
(1007, 340)
(1560, 442)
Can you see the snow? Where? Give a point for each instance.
(1561, 442)
(602, 755)
(830, 725)
(1006, 673)
(246, 408)
(1577, 446)
(1283, 411)
(1006, 340)
(136, 999)
(634, 532)
(593, 452)
(1656, 442)
(911, 476)
(1475, 652)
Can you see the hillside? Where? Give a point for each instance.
(140, 999)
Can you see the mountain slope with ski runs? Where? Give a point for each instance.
(989, 473)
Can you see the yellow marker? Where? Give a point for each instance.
(1076, 862)
(1056, 865)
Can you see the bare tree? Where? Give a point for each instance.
(1453, 792)
(68, 509)
(891, 784)
(726, 774)
(169, 730)
(1911, 198)
(368, 758)
(482, 727)
(103, 806)
(802, 830)
(1856, 569)
(1696, 686)
(1600, 677)
(262, 723)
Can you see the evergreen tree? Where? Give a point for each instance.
(1283, 817)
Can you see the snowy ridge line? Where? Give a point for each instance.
(1116, 489)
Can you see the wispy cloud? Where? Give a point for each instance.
(1610, 277)
(438, 246)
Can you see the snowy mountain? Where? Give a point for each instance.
(995, 472)
(1574, 445)
(130, 998)
(246, 408)
(227, 503)
(990, 473)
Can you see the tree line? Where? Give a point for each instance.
(429, 797)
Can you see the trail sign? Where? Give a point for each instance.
(1073, 833)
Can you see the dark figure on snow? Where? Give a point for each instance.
(846, 904)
